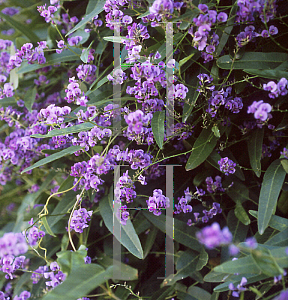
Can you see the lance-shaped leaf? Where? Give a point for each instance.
(157, 124)
(128, 237)
(275, 222)
(255, 150)
(53, 157)
(29, 98)
(202, 148)
(64, 131)
(241, 214)
(270, 74)
(271, 187)
(253, 60)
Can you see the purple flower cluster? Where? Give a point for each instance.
(114, 14)
(201, 37)
(7, 90)
(34, 234)
(80, 219)
(23, 296)
(276, 89)
(48, 13)
(247, 10)
(9, 264)
(87, 72)
(261, 110)
(118, 77)
(55, 278)
(158, 201)
(125, 189)
(74, 93)
(227, 166)
(137, 127)
(212, 236)
(13, 244)
(214, 186)
(28, 53)
(183, 205)
(239, 288)
(204, 83)
(249, 33)
(220, 98)
(53, 114)
(211, 213)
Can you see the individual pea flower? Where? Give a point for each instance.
(240, 287)
(212, 236)
(282, 296)
(261, 110)
(284, 153)
(227, 166)
(25, 295)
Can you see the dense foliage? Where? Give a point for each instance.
(143, 149)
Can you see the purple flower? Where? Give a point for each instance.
(212, 236)
(222, 17)
(284, 153)
(227, 166)
(239, 287)
(282, 296)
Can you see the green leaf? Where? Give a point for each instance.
(279, 239)
(186, 265)
(203, 259)
(64, 131)
(266, 262)
(213, 276)
(150, 241)
(163, 293)
(284, 163)
(21, 28)
(185, 59)
(241, 265)
(53, 157)
(80, 282)
(199, 293)
(97, 10)
(29, 98)
(275, 222)
(115, 39)
(157, 124)
(127, 272)
(128, 237)
(253, 60)
(255, 150)
(241, 214)
(7, 101)
(85, 53)
(271, 187)
(52, 59)
(68, 260)
(47, 227)
(202, 148)
(66, 184)
(182, 233)
(270, 74)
